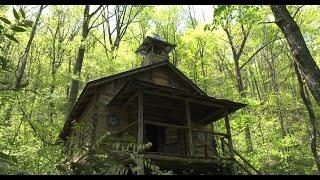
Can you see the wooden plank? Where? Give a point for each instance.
(140, 119)
(186, 79)
(245, 169)
(158, 105)
(206, 145)
(125, 74)
(123, 129)
(128, 102)
(230, 144)
(245, 161)
(161, 116)
(165, 125)
(188, 116)
(211, 132)
(184, 127)
(184, 98)
(140, 131)
(248, 163)
(211, 115)
(185, 160)
(181, 162)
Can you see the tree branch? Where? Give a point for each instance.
(244, 40)
(234, 51)
(298, 9)
(257, 51)
(27, 118)
(91, 27)
(92, 14)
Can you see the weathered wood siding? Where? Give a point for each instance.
(81, 136)
(102, 125)
(162, 76)
(166, 77)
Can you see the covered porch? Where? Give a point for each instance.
(178, 124)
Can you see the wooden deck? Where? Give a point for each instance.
(179, 163)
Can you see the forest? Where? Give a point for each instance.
(267, 57)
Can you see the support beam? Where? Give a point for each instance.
(165, 125)
(140, 133)
(211, 115)
(158, 105)
(206, 145)
(191, 146)
(211, 132)
(123, 129)
(190, 99)
(233, 168)
(125, 104)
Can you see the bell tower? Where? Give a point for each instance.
(154, 49)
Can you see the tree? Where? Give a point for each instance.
(282, 114)
(312, 117)
(223, 16)
(124, 16)
(86, 27)
(299, 49)
(23, 58)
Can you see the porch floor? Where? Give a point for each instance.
(179, 163)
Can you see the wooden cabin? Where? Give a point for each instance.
(154, 103)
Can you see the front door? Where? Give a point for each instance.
(155, 135)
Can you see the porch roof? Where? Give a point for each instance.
(204, 109)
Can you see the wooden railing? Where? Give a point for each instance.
(245, 165)
(219, 150)
(215, 143)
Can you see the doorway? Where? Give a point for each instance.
(155, 135)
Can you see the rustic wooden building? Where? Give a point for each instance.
(155, 103)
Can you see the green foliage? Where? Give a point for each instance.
(5, 20)
(101, 162)
(19, 25)
(32, 118)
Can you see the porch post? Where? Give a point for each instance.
(230, 144)
(189, 128)
(140, 133)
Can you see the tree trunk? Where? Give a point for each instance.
(312, 118)
(309, 69)
(23, 58)
(79, 60)
(275, 86)
(236, 54)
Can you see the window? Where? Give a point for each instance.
(112, 120)
(171, 135)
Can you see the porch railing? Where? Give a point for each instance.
(212, 145)
(243, 164)
(206, 145)
(209, 144)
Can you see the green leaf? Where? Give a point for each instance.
(5, 20)
(18, 29)
(7, 158)
(3, 62)
(11, 38)
(219, 10)
(16, 15)
(27, 23)
(2, 58)
(207, 27)
(23, 14)
(1, 27)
